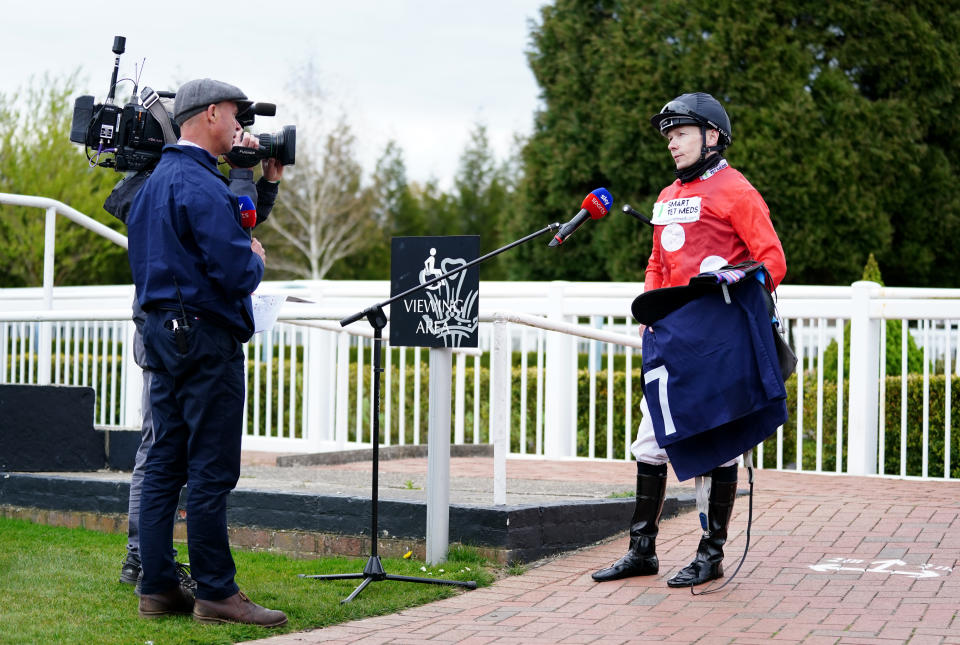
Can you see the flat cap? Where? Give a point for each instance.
(194, 96)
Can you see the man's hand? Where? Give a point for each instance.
(245, 140)
(257, 248)
(272, 169)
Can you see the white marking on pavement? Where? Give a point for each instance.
(882, 566)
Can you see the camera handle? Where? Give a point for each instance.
(151, 101)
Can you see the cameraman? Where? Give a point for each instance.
(194, 268)
(264, 195)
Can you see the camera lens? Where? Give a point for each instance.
(282, 145)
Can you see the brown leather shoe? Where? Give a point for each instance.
(168, 603)
(237, 609)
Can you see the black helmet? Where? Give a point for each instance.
(697, 108)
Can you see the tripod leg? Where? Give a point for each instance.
(469, 584)
(373, 571)
(333, 576)
(356, 592)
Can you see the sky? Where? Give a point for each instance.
(420, 72)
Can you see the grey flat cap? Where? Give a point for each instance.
(194, 96)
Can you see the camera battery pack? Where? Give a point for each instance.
(82, 115)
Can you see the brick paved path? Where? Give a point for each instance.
(832, 560)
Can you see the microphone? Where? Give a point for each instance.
(248, 212)
(629, 211)
(594, 206)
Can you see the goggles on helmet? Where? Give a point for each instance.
(677, 113)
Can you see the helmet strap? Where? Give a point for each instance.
(704, 148)
(693, 171)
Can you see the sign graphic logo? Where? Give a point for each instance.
(445, 313)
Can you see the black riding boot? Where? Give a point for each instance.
(641, 559)
(708, 564)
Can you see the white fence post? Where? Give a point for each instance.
(501, 423)
(864, 382)
(438, 455)
(343, 388)
(559, 424)
(315, 396)
(49, 244)
(133, 382)
(460, 400)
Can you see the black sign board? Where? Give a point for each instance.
(445, 314)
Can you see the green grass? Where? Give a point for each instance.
(59, 585)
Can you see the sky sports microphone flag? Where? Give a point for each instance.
(595, 205)
(248, 212)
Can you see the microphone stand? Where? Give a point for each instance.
(373, 571)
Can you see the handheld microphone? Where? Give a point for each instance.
(594, 206)
(629, 211)
(248, 212)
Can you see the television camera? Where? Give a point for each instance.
(135, 134)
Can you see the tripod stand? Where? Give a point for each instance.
(373, 570)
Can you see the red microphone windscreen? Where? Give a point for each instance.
(594, 206)
(248, 212)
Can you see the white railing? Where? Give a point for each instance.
(574, 395)
(54, 208)
(858, 435)
(85, 351)
(339, 382)
(309, 379)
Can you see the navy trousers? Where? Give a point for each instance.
(197, 399)
(146, 441)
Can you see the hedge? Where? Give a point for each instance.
(935, 440)
(914, 420)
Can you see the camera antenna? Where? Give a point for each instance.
(136, 77)
(119, 45)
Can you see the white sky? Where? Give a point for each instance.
(422, 72)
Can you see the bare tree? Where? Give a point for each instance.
(323, 212)
(324, 209)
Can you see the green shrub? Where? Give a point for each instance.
(894, 328)
(270, 419)
(891, 418)
(936, 431)
(891, 424)
(893, 359)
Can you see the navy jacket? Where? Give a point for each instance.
(184, 231)
(712, 378)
